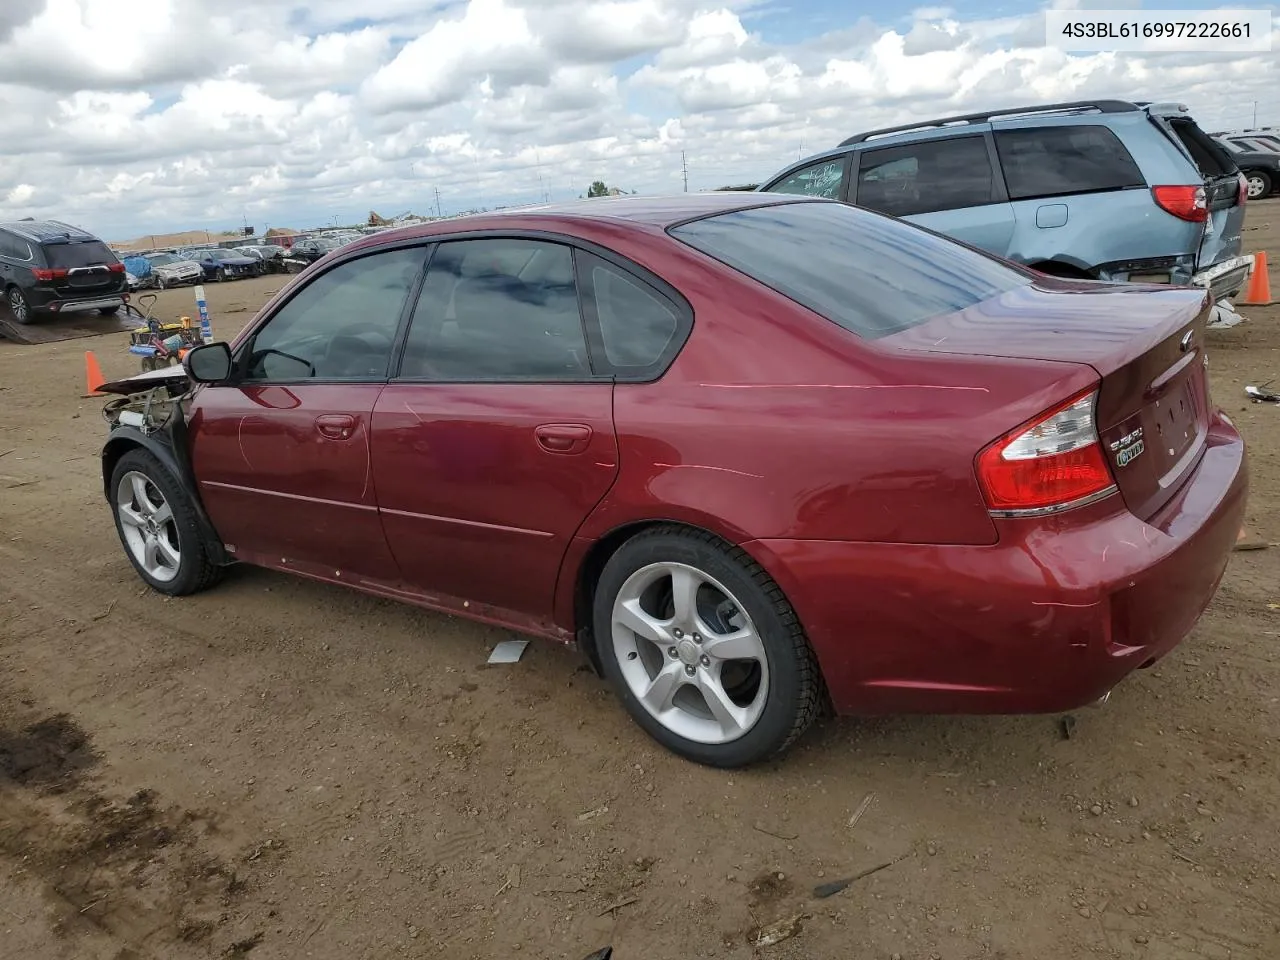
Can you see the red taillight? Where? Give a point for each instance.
(1242, 195)
(116, 267)
(45, 273)
(1185, 203)
(1052, 462)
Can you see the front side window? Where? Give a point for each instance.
(816, 180)
(342, 325)
(926, 177)
(870, 274)
(498, 310)
(1057, 161)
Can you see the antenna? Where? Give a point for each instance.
(684, 169)
(439, 212)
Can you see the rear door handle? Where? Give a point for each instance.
(336, 426)
(563, 437)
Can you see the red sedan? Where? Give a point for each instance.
(757, 454)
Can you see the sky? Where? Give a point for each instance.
(130, 117)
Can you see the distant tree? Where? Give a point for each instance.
(597, 189)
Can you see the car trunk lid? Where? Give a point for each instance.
(1221, 238)
(1146, 343)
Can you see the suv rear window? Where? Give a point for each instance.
(72, 255)
(870, 274)
(1054, 161)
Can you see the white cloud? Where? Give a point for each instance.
(138, 116)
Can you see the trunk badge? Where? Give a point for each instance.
(1185, 345)
(1128, 448)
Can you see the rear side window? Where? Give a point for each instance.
(926, 177)
(15, 247)
(1056, 161)
(872, 275)
(71, 255)
(816, 180)
(638, 325)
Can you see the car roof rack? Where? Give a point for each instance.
(1078, 106)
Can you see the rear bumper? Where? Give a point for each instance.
(82, 306)
(1050, 618)
(1224, 279)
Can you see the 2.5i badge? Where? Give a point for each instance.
(1128, 448)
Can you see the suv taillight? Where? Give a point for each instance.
(116, 267)
(1242, 195)
(45, 273)
(1051, 463)
(1185, 203)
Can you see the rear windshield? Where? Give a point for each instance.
(872, 275)
(72, 255)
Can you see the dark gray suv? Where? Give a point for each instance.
(48, 267)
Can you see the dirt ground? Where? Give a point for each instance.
(282, 769)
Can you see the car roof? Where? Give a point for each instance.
(46, 231)
(650, 213)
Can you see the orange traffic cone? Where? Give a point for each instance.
(1259, 292)
(93, 377)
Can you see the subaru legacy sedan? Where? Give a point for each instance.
(757, 455)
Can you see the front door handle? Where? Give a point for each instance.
(563, 437)
(336, 426)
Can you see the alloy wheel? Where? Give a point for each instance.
(689, 653)
(18, 305)
(1256, 186)
(147, 522)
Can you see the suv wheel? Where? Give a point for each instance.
(703, 649)
(18, 306)
(1259, 185)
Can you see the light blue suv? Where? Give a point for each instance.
(1107, 189)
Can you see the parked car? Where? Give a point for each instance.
(310, 249)
(1264, 138)
(880, 467)
(270, 257)
(1106, 189)
(219, 264)
(171, 270)
(1261, 168)
(50, 268)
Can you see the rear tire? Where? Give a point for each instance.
(159, 528)
(1260, 185)
(703, 649)
(18, 306)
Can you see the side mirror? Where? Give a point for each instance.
(208, 363)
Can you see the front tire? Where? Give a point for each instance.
(158, 527)
(703, 648)
(1260, 185)
(219, 275)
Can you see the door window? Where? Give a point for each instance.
(342, 325)
(498, 310)
(926, 177)
(1056, 161)
(816, 180)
